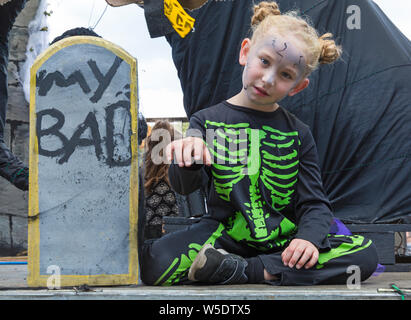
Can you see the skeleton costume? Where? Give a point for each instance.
(264, 189)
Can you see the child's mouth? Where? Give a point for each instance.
(260, 92)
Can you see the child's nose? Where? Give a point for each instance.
(269, 78)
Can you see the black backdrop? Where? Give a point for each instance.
(359, 108)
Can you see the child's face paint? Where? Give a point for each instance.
(274, 68)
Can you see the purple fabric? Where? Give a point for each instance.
(337, 227)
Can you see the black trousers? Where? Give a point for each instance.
(166, 261)
(8, 14)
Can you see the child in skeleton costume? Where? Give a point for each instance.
(268, 216)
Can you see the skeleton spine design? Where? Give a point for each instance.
(263, 158)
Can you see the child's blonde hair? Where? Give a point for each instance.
(320, 49)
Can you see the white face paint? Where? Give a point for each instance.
(275, 66)
(289, 55)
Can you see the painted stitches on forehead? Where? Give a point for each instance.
(279, 52)
(285, 53)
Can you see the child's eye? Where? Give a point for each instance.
(264, 61)
(287, 75)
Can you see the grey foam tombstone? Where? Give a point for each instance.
(83, 195)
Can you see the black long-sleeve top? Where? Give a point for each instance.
(264, 183)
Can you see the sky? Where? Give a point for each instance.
(160, 93)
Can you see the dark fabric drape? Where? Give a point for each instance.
(359, 108)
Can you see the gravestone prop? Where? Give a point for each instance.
(83, 196)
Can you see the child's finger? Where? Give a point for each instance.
(304, 258)
(206, 156)
(313, 260)
(286, 255)
(297, 253)
(198, 151)
(188, 152)
(169, 152)
(177, 152)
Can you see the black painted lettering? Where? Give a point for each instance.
(112, 159)
(53, 130)
(103, 80)
(76, 140)
(45, 82)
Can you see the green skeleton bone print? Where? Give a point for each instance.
(266, 157)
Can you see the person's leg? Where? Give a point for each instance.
(167, 260)
(11, 168)
(217, 266)
(333, 267)
(241, 263)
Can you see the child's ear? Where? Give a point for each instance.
(299, 87)
(245, 49)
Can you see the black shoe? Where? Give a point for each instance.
(12, 169)
(218, 267)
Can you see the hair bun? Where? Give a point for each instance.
(330, 51)
(264, 9)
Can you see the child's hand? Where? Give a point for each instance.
(186, 149)
(298, 253)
